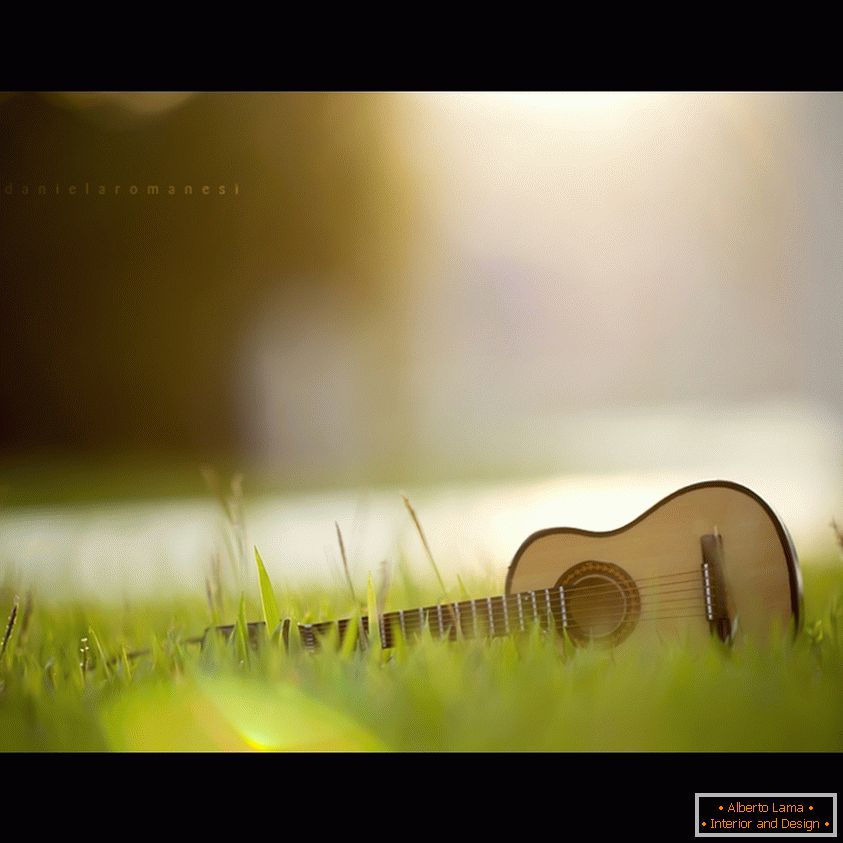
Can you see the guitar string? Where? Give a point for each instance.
(434, 616)
(501, 624)
(576, 621)
(570, 592)
(680, 577)
(616, 588)
(511, 614)
(451, 633)
(609, 598)
(664, 576)
(450, 620)
(604, 589)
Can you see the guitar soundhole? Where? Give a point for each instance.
(602, 603)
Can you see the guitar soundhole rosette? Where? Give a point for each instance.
(602, 603)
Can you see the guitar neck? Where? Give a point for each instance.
(487, 617)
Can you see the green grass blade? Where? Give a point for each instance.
(353, 632)
(103, 660)
(270, 608)
(241, 633)
(372, 610)
(344, 558)
(10, 625)
(426, 546)
(464, 595)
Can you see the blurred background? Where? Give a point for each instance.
(522, 309)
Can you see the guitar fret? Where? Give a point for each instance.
(564, 610)
(549, 608)
(505, 616)
(520, 611)
(401, 621)
(456, 611)
(421, 619)
(382, 628)
(474, 616)
(439, 615)
(535, 610)
(491, 615)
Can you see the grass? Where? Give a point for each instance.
(68, 682)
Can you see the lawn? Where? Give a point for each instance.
(69, 681)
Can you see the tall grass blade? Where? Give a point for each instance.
(424, 543)
(383, 588)
(241, 633)
(353, 631)
(374, 617)
(463, 590)
(126, 664)
(209, 595)
(84, 658)
(234, 510)
(838, 533)
(10, 625)
(270, 608)
(344, 558)
(103, 660)
(27, 616)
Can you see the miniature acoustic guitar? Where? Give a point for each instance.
(710, 559)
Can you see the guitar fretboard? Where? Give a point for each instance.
(485, 617)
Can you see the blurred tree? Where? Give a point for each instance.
(125, 316)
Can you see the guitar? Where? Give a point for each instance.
(709, 559)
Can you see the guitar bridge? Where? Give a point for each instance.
(714, 588)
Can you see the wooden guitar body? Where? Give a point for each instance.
(712, 557)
